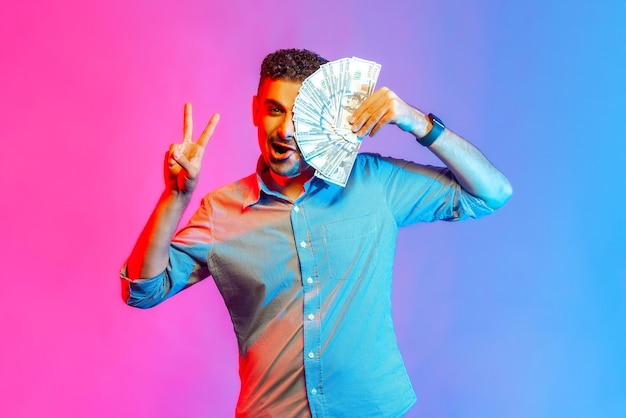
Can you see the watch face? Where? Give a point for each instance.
(435, 131)
(434, 119)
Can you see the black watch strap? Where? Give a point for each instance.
(435, 132)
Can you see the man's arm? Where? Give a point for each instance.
(470, 167)
(150, 255)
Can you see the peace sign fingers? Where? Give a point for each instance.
(184, 159)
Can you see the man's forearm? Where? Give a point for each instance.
(472, 169)
(150, 255)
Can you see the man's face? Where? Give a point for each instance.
(272, 113)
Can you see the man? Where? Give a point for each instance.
(304, 265)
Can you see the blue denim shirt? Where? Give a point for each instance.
(308, 283)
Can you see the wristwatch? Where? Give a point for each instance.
(434, 133)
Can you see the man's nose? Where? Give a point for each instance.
(287, 130)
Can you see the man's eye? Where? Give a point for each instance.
(275, 110)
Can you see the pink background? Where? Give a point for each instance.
(521, 314)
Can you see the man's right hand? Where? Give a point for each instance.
(183, 161)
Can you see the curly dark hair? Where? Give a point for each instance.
(290, 64)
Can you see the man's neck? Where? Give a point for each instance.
(291, 187)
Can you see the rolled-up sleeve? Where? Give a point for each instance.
(146, 293)
(187, 265)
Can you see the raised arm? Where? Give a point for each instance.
(181, 169)
(470, 167)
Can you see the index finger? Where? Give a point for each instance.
(203, 140)
(364, 108)
(187, 123)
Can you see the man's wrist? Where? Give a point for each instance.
(436, 129)
(176, 198)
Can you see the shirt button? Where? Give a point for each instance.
(309, 280)
(311, 355)
(303, 244)
(314, 391)
(311, 317)
(296, 208)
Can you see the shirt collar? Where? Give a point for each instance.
(256, 185)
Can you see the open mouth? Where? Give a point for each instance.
(282, 150)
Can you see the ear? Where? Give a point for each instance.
(255, 110)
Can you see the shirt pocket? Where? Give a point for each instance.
(349, 246)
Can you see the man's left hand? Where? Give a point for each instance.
(384, 107)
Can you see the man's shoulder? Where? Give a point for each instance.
(368, 156)
(365, 158)
(373, 161)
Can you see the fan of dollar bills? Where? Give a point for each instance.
(325, 102)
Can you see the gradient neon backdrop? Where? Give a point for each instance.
(521, 314)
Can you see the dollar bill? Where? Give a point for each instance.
(322, 110)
